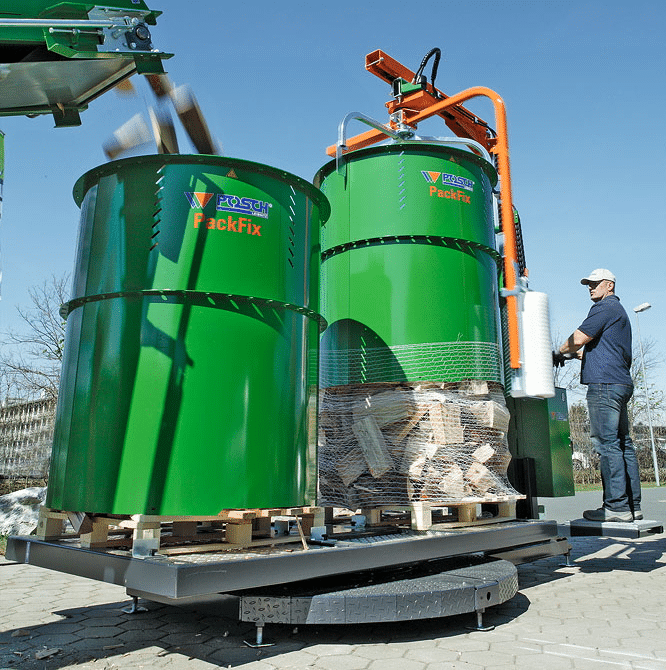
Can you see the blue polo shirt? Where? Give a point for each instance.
(607, 358)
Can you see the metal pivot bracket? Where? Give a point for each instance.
(567, 561)
(520, 287)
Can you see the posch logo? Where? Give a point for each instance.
(198, 200)
(448, 179)
(227, 202)
(462, 187)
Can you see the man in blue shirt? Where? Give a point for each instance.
(605, 340)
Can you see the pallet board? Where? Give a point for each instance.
(232, 530)
(147, 534)
(442, 517)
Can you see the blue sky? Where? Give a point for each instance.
(583, 83)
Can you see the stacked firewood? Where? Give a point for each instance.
(397, 444)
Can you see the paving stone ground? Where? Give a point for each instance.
(606, 612)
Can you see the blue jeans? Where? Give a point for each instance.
(609, 431)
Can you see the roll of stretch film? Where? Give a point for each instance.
(537, 346)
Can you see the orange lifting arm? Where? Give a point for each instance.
(460, 120)
(501, 150)
(421, 105)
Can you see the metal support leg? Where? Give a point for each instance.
(259, 642)
(479, 622)
(567, 563)
(135, 608)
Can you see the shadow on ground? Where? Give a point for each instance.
(212, 633)
(105, 633)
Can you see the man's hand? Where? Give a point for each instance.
(559, 359)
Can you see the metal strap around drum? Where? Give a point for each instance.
(197, 298)
(434, 240)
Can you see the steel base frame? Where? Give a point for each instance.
(180, 580)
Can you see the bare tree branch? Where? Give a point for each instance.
(567, 377)
(638, 405)
(31, 358)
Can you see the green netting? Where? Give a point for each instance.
(432, 361)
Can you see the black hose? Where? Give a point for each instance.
(433, 74)
(520, 247)
(437, 52)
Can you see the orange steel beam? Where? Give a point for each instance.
(501, 150)
(386, 68)
(460, 120)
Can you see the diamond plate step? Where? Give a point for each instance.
(449, 592)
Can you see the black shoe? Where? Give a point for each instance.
(603, 514)
(638, 515)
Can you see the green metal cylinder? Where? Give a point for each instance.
(190, 372)
(409, 267)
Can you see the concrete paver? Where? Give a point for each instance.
(603, 613)
(396, 664)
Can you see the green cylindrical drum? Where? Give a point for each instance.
(409, 267)
(189, 377)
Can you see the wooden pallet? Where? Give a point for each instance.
(424, 516)
(146, 534)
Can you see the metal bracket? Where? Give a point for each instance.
(520, 287)
(434, 240)
(358, 116)
(567, 560)
(230, 301)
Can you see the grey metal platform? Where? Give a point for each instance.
(189, 578)
(445, 592)
(634, 529)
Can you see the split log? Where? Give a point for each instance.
(419, 448)
(373, 446)
(453, 482)
(480, 477)
(445, 423)
(491, 414)
(386, 408)
(484, 453)
(350, 467)
(473, 387)
(421, 411)
(448, 483)
(501, 460)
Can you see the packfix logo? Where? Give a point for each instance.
(228, 203)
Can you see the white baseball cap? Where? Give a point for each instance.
(598, 275)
